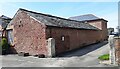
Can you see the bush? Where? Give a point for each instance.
(4, 45)
(104, 57)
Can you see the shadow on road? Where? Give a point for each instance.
(83, 50)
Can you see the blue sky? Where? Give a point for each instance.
(106, 10)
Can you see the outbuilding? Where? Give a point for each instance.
(31, 32)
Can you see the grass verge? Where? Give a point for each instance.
(104, 57)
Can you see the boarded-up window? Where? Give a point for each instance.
(10, 36)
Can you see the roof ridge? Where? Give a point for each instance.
(49, 15)
(85, 15)
(5, 17)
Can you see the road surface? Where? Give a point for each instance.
(85, 57)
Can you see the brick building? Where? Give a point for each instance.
(31, 30)
(4, 21)
(95, 21)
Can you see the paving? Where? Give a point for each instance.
(84, 57)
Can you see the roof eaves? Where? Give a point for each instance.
(95, 20)
(72, 28)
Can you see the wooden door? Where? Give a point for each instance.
(67, 43)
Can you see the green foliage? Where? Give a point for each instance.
(104, 57)
(4, 44)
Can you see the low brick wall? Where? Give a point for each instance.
(117, 49)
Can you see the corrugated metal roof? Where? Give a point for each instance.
(86, 17)
(50, 20)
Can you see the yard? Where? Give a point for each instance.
(85, 57)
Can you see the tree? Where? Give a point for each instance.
(4, 46)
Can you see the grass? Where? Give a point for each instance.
(104, 57)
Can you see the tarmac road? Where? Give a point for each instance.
(85, 57)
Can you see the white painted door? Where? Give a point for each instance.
(10, 36)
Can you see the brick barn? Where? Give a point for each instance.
(31, 30)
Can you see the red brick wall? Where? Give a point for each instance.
(29, 35)
(102, 25)
(97, 24)
(117, 50)
(77, 38)
(104, 29)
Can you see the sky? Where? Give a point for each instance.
(106, 10)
